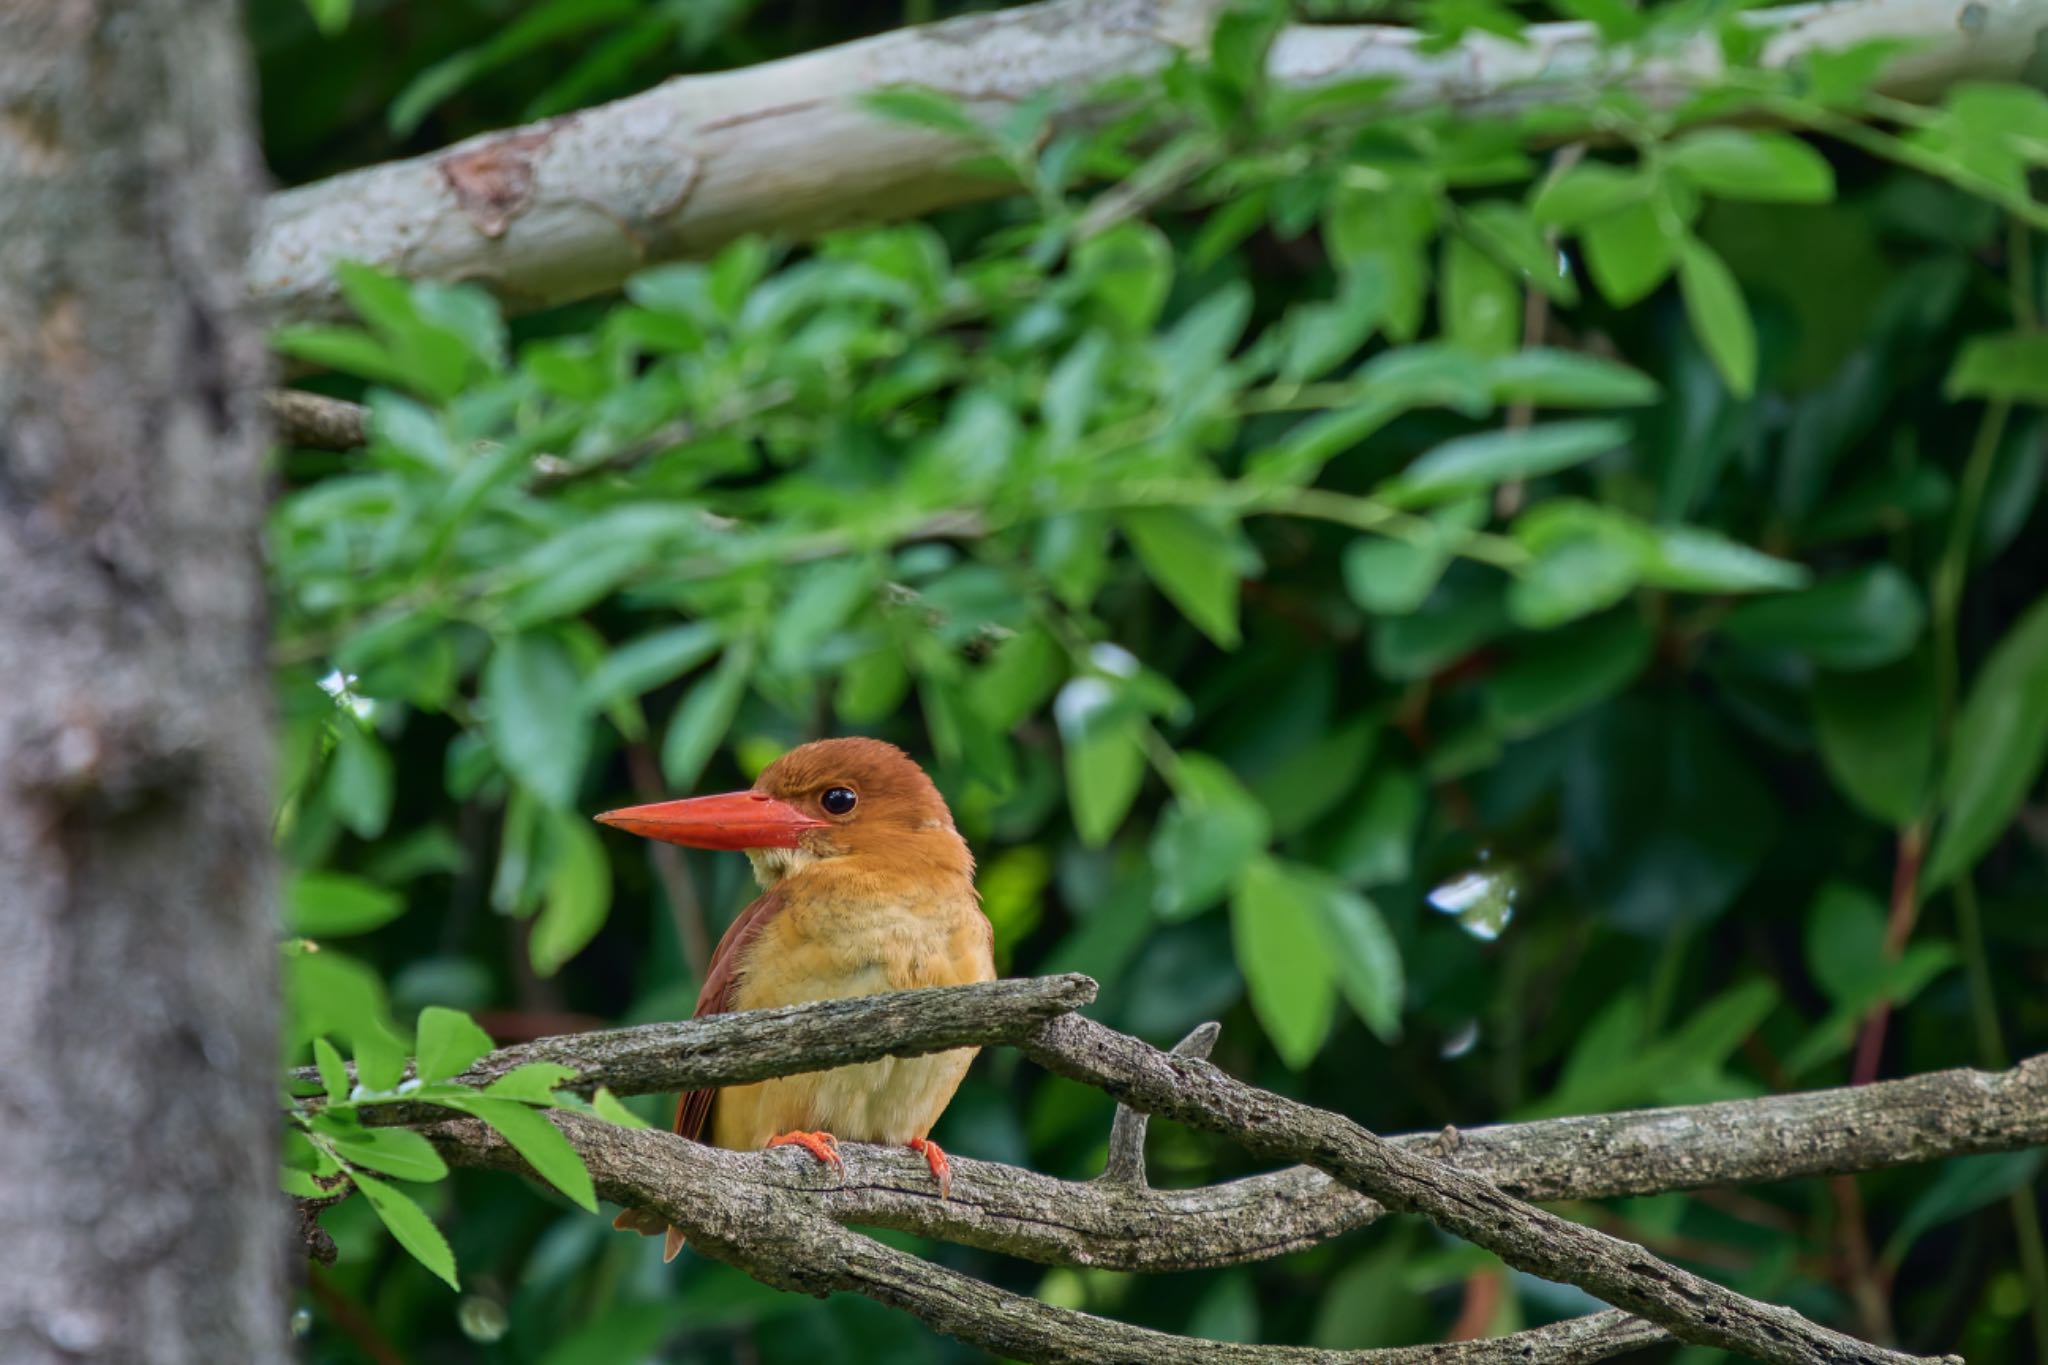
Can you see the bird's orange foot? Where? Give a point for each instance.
(821, 1145)
(935, 1157)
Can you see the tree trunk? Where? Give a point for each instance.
(138, 1214)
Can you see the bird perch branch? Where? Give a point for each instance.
(565, 209)
(780, 1217)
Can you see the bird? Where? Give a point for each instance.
(866, 886)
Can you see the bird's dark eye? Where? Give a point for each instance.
(838, 800)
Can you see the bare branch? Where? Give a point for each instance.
(568, 208)
(750, 1207)
(1692, 1308)
(771, 1215)
(734, 1049)
(1103, 1223)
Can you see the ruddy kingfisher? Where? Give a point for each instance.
(866, 886)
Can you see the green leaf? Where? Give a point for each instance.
(1554, 677)
(1720, 318)
(1475, 463)
(397, 1152)
(380, 1057)
(1751, 163)
(1573, 576)
(2013, 366)
(643, 664)
(1586, 191)
(926, 108)
(1318, 335)
(1694, 559)
(1128, 269)
(348, 349)
(1191, 353)
(359, 780)
(1512, 237)
(333, 1074)
(1628, 253)
(1366, 958)
(1370, 840)
(531, 1082)
(330, 16)
(1017, 680)
(538, 1141)
(449, 1043)
(1317, 773)
(1281, 947)
(873, 685)
(824, 597)
(1205, 838)
(1104, 760)
(1193, 561)
(1313, 443)
(532, 694)
(578, 895)
(1876, 733)
(1461, 615)
(299, 1184)
(1962, 1186)
(2001, 740)
(1239, 43)
(1861, 619)
(1073, 389)
(1481, 303)
(706, 713)
(329, 904)
(1845, 944)
(1548, 378)
(612, 1110)
(409, 1226)
(1392, 577)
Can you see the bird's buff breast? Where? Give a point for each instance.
(824, 951)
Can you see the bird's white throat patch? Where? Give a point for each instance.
(771, 865)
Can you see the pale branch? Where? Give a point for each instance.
(1690, 1307)
(772, 1215)
(567, 208)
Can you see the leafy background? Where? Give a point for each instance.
(1509, 633)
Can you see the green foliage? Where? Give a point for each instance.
(1489, 625)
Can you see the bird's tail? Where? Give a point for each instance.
(650, 1224)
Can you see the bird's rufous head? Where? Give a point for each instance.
(861, 800)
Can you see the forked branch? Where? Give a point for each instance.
(780, 1218)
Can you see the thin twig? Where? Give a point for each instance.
(1126, 1163)
(315, 421)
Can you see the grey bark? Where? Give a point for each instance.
(1690, 1307)
(568, 208)
(768, 1214)
(782, 1217)
(735, 1049)
(1123, 1225)
(138, 953)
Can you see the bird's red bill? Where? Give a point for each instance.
(734, 820)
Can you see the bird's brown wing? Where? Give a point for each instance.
(693, 1110)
